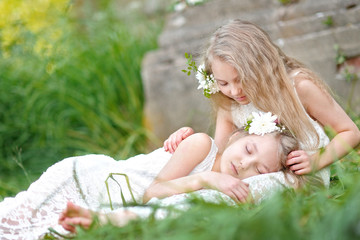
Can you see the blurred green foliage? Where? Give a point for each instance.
(70, 84)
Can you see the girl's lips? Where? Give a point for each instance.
(234, 169)
(240, 99)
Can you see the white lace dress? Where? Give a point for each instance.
(81, 180)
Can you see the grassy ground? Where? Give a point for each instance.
(309, 213)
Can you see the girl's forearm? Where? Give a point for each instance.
(339, 146)
(186, 184)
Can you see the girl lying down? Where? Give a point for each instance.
(195, 165)
(245, 156)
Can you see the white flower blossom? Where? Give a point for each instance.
(263, 123)
(179, 6)
(193, 2)
(200, 77)
(206, 82)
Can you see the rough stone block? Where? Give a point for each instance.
(172, 98)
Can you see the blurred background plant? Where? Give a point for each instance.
(70, 83)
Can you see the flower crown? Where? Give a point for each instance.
(206, 81)
(261, 123)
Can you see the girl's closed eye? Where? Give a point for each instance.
(222, 83)
(248, 149)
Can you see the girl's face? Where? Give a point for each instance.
(227, 79)
(251, 155)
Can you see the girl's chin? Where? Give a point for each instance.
(242, 102)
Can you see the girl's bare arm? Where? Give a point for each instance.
(173, 178)
(324, 109)
(224, 128)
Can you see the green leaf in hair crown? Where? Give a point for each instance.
(206, 81)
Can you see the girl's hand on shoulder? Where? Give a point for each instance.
(231, 186)
(300, 162)
(176, 138)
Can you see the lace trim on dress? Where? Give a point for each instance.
(32, 212)
(240, 113)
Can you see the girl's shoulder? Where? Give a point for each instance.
(201, 141)
(200, 137)
(307, 89)
(305, 82)
(303, 85)
(205, 151)
(299, 75)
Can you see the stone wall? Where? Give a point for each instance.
(307, 30)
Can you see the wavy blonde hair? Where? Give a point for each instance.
(264, 72)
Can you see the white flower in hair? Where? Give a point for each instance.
(200, 77)
(178, 7)
(262, 123)
(206, 81)
(194, 2)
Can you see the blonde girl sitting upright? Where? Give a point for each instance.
(243, 72)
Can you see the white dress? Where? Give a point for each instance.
(82, 180)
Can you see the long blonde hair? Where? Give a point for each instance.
(264, 72)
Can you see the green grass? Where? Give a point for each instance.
(309, 213)
(84, 95)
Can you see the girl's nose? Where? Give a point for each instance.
(235, 91)
(243, 164)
